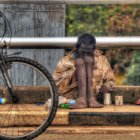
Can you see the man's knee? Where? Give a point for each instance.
(79, 63)
(88, 60)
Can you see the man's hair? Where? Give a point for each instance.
(86, 39)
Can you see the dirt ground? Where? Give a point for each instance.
(127, 136)
(91, 133)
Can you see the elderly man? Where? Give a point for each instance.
(83, 73)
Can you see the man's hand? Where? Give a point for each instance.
(74, 77)
(103, 89)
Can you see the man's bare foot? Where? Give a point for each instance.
(94, 104)
(80, 103)
(137, 102)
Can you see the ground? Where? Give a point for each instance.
(102, 136)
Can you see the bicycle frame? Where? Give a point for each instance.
(4, 71)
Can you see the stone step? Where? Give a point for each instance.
(108, 116)
(32, 94)
(91, 133)
(130, 93)
(92, 129)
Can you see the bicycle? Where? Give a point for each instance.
(24, 115)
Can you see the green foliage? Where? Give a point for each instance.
(133, 72)
(103, 20)
(91, 19)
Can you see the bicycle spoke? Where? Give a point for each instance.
(24, 78)
(35, 120)
(8, 121)
(29, 130)
(4, 117)
(24, 118)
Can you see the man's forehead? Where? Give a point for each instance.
(86, 46)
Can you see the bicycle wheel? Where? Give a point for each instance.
(33, 85)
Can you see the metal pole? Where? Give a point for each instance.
(74, 1)
(69, 42)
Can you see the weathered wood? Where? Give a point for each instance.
(107, 116)
(75, 1)
(28, 94)
(37, 20)
(130, 93)
(92, 130)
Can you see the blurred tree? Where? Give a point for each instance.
(91, 19)
(133, 72)
(103, 19)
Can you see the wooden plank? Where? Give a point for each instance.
(33, 20)
(109, 115)
(92, 130)
(33, 93)
(74, 1)
(36, 20)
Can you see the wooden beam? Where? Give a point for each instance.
(74, 1)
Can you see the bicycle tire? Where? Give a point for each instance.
(47, 122)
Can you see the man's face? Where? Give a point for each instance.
(86, 50)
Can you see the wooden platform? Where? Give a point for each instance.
(35, 93)
(92, 129)
(107, 116)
